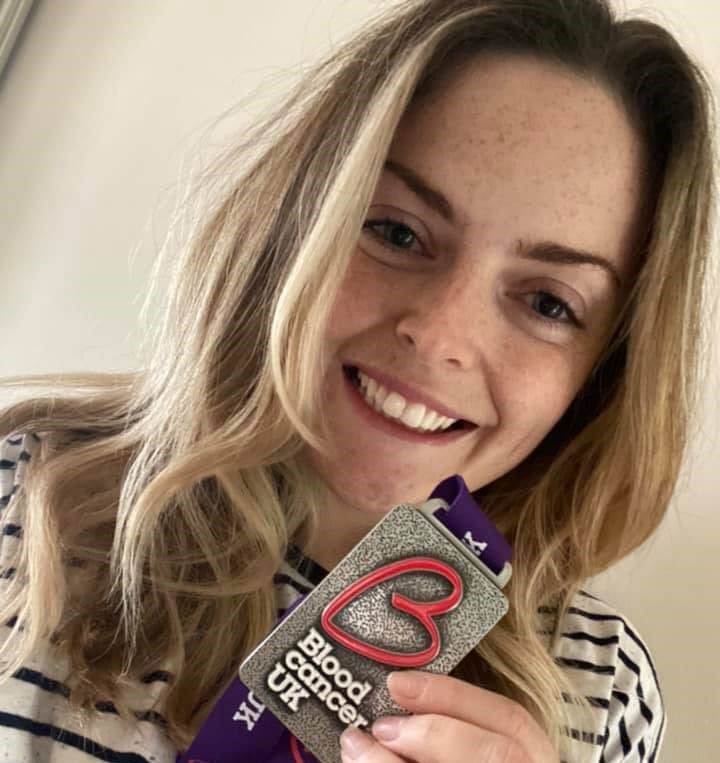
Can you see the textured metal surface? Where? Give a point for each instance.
(403, 533)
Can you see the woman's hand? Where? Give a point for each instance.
(452, 722)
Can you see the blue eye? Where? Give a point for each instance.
(391, 233)
(553, 309)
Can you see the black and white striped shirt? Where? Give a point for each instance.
(601, 652)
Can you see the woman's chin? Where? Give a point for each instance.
(374, 496)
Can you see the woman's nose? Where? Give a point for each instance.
(441, 322)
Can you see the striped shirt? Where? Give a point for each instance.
(599, 650)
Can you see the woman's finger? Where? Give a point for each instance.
(358, 747)
(436, 694)
(439, 739)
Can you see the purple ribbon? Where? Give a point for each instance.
(240, 729)
(466, 521)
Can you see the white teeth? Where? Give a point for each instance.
(380, 396)
(372, 386)
(394, 405)
(430, 420)
(415, 416)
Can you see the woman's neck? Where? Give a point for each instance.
(340, 527)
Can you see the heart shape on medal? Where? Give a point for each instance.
(424, 612)
(300, 755)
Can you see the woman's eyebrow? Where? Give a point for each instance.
(543, 251)
(560, 254)
(421, 188)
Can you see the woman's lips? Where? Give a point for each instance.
(408, 392)
(395, 428)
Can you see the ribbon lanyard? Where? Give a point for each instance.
(240, 729)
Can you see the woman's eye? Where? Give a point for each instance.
(391, 233)
(553, 309)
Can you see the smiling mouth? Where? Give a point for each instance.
(415, 417)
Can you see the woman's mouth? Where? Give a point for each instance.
(414, 417)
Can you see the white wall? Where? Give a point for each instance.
(106, 102)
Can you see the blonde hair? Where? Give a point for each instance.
(176, 489)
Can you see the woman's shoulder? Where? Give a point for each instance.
(15, 452)
(36, 718)
(597, 628)
(611, 664)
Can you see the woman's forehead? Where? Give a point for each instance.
(517, 141)
(519, 110)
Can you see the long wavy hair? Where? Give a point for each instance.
(162, 501)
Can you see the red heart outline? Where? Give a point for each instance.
(295, 750)
(422, 611)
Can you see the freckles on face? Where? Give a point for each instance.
(532, 386)
(494, 258)
(555, 148)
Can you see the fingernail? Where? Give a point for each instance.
(386, 729)
(407, 683)
(354, 743)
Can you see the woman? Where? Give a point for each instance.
(489, 260)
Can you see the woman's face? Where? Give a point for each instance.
(497, 249)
